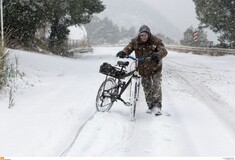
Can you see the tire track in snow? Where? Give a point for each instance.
(122, 144)
(203, 93)
(66, 151)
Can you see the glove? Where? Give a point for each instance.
(156, 57)
(121, 54)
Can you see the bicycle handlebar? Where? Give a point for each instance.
(135, 59)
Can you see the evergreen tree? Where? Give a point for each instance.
(65, 13)
(104, 31)
(165, 39)
(218, 16)
(22, 18)
(188, 37)
(127, 33)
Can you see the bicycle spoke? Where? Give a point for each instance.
(104, 99)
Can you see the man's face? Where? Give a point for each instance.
(144, 37)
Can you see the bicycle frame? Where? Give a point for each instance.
(123, 84)
(114, 86)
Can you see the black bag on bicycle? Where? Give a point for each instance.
(112, 71)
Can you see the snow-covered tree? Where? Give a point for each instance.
(104, 31)
(101, 31)
(65, 13)
(165, 39)
(24, 17)
(218, 15)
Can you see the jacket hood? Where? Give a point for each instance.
(144, 28)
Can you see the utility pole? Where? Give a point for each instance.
(2, 32)
(195, 37)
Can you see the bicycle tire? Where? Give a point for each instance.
(105, 96)
(134, 97)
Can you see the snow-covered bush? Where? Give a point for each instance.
(9, 72)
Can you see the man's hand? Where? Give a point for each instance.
(121, 54)
(156, 57)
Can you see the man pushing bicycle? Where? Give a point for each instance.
(147, 45)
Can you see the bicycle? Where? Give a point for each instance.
(114, 86)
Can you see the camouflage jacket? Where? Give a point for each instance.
(153, 46)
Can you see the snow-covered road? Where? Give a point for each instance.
(57, 116)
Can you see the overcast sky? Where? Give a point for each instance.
(181, 13)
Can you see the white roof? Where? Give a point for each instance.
(77, 33)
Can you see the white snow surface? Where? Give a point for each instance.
(55, 115)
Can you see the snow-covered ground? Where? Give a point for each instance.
(54, 113)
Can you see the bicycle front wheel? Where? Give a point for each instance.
(106, 95)
(134, 93)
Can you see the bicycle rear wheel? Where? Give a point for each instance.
(106, 95)
(134, 93)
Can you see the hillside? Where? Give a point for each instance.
(126, 13)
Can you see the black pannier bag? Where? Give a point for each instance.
(112, 71)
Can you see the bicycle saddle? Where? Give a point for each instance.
(123, 63)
